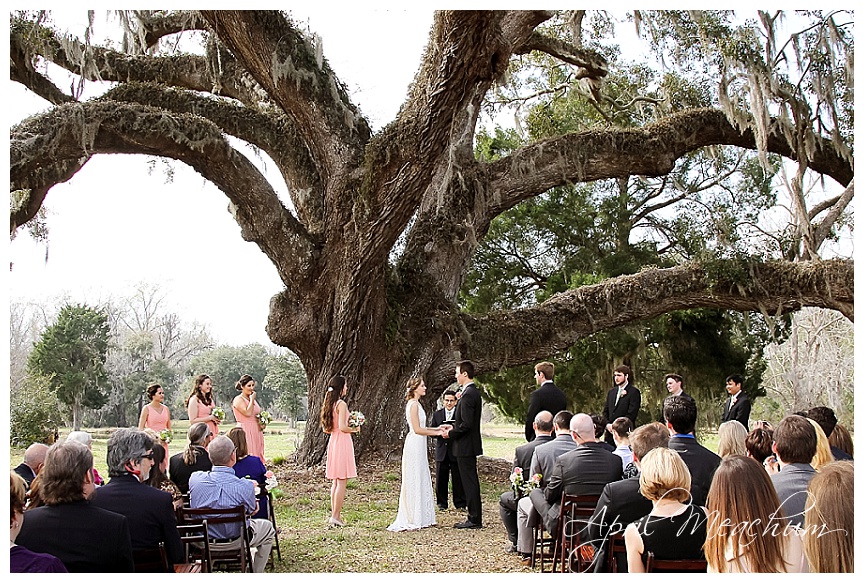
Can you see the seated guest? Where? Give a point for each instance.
(150, 511)
(22, 560)
(758, 443)
(621, 429)
(600, 424)
(827, 420)
(249, 466)
(680, 414)
(34, 459)
(742, 494)
(731, 437)
(158, 478)
(673, 529)
(584, 471)
(86, 538)
(829, 543)
(795, 446)
(508, 502)
(220, 488)
(621, 502)
(841, 443)
(86, 439)
(823, 453)
(192, 459)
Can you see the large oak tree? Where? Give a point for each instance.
(382, 226)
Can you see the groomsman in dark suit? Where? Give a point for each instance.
(467, 444)
(680, 414)
(737, 406)
(445, 461)
(547, 397)
(623, 400)
(675, 388)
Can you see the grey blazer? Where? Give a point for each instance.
(791, 485)
(546, 455)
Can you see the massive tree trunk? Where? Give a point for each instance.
(382, 226)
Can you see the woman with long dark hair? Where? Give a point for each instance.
(200, 404)
(340, 447)
(245, 410)
(156, 415)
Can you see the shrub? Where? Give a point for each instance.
(35, 413)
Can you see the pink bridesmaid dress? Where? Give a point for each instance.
(157, 422)
(254, 435)
(340, 453)
(203, 411)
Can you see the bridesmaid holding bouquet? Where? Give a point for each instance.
(246, 410)
(156, 415)
(340, 448)
(200, 404)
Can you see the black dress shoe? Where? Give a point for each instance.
(467, 524)
(461, 508)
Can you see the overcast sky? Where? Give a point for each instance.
(119, 221)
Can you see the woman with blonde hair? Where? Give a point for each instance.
(340, 448)
(416, 503)
(829, 536)
(673, 529)
(731, 439)
(21, 559)
(742, 494)
(823, 448)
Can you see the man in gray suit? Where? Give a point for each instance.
(584, 471)
(542, 462)
(795, 446)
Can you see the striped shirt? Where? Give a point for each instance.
(220, 488)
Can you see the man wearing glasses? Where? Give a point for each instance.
(149, 511)
(445, 462)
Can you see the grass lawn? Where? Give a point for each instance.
(364, 545)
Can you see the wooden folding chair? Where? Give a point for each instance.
(196, 543)
(614, 548)
(271, 515)
(675, 566)
(574, 551)
(542, 552)
(152, 560)
(239, 556)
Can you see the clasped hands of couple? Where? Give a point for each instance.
(444, 431)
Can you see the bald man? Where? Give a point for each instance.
(34, 459)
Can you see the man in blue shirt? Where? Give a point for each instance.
(220, 488)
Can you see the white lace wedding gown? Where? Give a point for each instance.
(416, 502)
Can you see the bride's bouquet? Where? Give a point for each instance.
(218, 413)
(165, 436)
(356, 419)
(263, 419)
(270, 480)
(520, 485)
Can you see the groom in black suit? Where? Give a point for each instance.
(445, 461)
(467, 444)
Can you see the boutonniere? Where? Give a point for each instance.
(623, 392)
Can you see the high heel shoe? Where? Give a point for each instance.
(335, 522)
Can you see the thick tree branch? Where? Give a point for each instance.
(504, 339)
(37, 186)
(22, 71)
(272, 131)
(652, 150)
(593, 64)
(823, 228)
(156, 26)
(73, 131)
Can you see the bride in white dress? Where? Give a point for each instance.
(416, 501)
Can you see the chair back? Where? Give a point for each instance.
(576, 551)
(152, 560)
(675, 566)
(616, 548)
(240, 554)
(196, 542)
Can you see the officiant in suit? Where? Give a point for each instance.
(467, 444)
(445, 461)
(623, 400)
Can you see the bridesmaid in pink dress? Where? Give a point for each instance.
(200, 404)
(245, 410)
(156, 415)
(340, 448)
